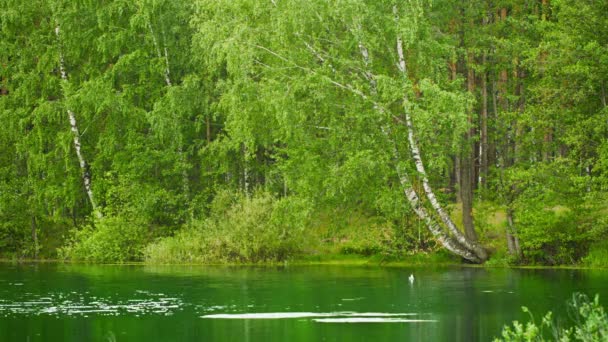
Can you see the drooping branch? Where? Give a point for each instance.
(84, 166)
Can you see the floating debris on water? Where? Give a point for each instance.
(73, 303)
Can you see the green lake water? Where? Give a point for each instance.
(56, 302)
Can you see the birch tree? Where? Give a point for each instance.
(84, 166)
(334, 73)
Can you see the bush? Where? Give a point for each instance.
(113, 239)
(238, 229)
(589, 318)
(597, 255)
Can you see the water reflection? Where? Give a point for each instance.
(190, 303)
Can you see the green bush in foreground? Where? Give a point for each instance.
(113, 239)
(589, 318)
(238, 229)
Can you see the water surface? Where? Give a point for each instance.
(55, 302)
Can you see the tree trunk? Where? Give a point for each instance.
(457, 182)
(467, 164)
(516, 156)
(509, 150)
(548, 135)
(503, 77)
(511, 234)
(492, 154)
(458, 177)
(483, 134)
(444, 239)
(84, 167)
(35, 236)
(246, 180)
(547, 141)
(462, 239)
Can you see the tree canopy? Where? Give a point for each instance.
(130, 126)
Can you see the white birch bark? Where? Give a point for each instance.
(450, 244)
(245, 153)
(445, 239)
(411, 195)
(86, 176)
(421, 169)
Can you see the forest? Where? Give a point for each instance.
(253, 131)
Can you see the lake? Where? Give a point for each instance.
(59, 302)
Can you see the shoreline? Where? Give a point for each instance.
(321, 260)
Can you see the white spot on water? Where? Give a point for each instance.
(291, 315)
(352, 299)
(372, 320)
(268, 315)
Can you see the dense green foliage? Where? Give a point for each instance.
(238, 229)
(231, 130)
(589, 324)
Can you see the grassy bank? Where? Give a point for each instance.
(263, 229)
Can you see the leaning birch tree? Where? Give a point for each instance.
(84, 166)
(309, 46)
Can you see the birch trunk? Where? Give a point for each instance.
(479, 251)
(444, 239)
(246, 180)
(84, 167)
(453, 245)
(447, 241)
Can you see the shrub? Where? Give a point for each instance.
(238, 229)
(590, 324)
(597, 255)
(112, 239)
